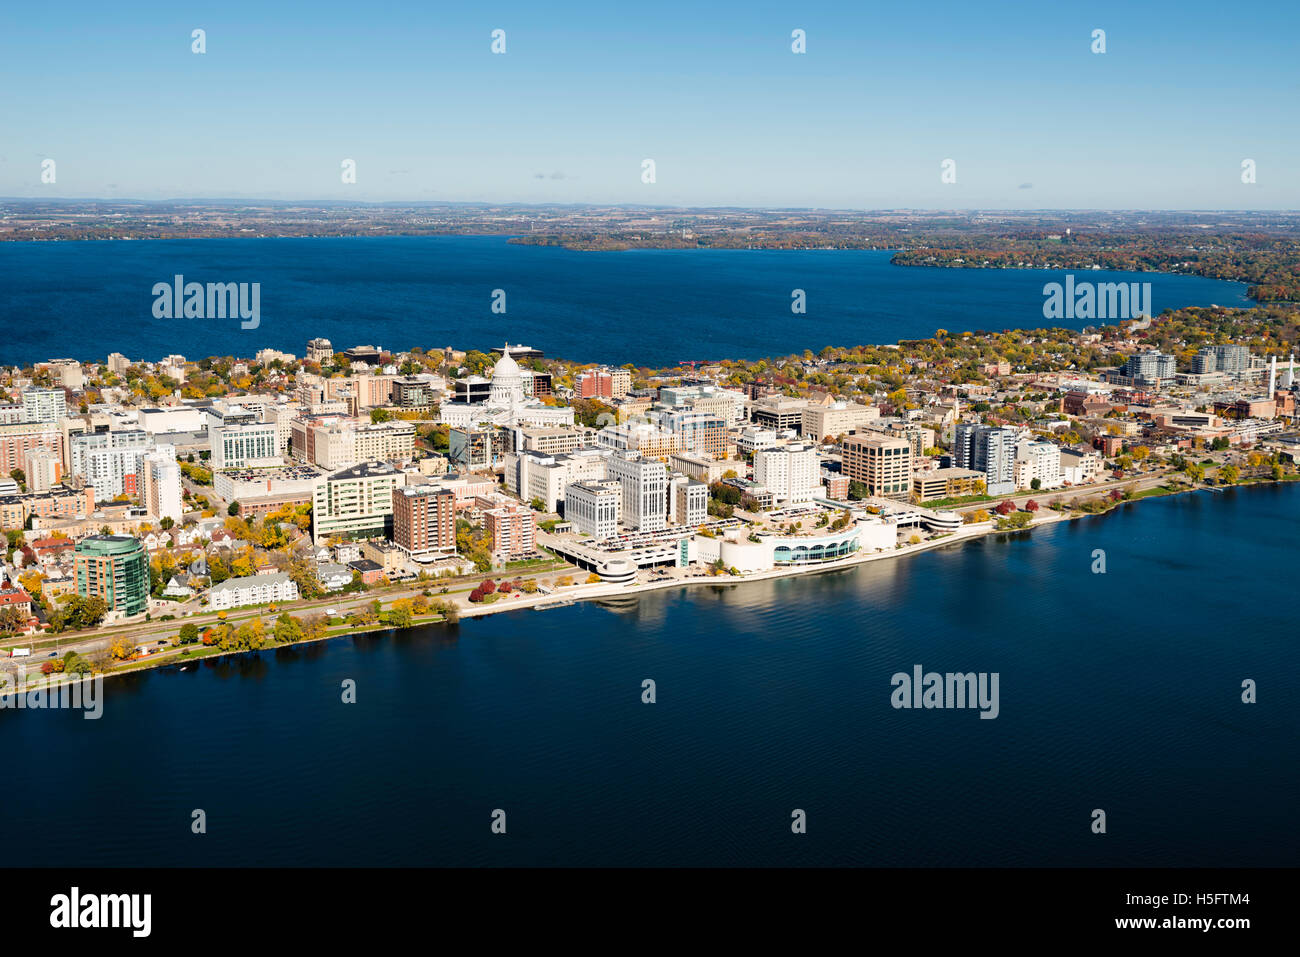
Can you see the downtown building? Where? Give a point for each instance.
(789, 472)
(44, 405)
(881, 463)
(17, 439)
(356, 503)
(110, 461)
(644, 483)
(116, 569)
(160, 484)
(424, 520)
(594, 507)
(511, 530)
(989, 449)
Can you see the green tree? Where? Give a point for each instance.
(233, 509)
(189, 633)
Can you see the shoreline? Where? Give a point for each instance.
(596, 592)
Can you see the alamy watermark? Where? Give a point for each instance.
(215, 300)
(1096, 300)
(930, 689)
(40, 692)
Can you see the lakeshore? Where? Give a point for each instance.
(541, 602)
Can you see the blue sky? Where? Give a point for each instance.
(711, 92)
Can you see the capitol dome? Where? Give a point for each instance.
(507, 389)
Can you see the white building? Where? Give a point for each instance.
(109, 461)
(250, 445)
(645, 490)
(1038, 460)
(789, 471)
(594, 507)
(252, 590)
(43, 468)
(44, 405)
(160, 484)
(1080, 467)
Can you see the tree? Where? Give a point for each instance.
(288, 629)
(1031, 506)
(233, 509)
(121, 649)
(19, 476)
(380, 415)
(1036, 484)
(1229, 474)
(189, 633)
(166, 523)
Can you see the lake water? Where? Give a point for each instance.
(1119, 691)
(649, 307)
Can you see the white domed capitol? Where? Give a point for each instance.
(507, 403)
(507, 384)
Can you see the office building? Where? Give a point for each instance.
(689, 501)
(644, 484)
(594, 507)
(881, 463)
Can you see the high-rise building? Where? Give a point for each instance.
(594, 507)
(789, 472)
(356, 502)
(988, 449)
(645, 490)
(44, 405)
(1038, 461)
(1229, 359)
(250, 445)
(881, 463)
(511, 529)
(689, 501)
(17, 439)
(424, 519)
(160, 486)
(110, 461)
(43, 468)
(1149, 367)
(115, 568)
(702, 433)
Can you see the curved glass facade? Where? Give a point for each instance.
(794, 552)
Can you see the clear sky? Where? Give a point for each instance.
(710, 91)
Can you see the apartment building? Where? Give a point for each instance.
(511, 530)
(789, 472)
(424, 520)
(356, 502)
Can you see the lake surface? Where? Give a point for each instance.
(1119, 691)
(649, 307)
